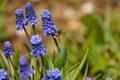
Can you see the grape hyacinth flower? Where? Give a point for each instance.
(7, 49)
(37, 46)
(52, 75)
(48, 27)
(108, 78)
(3, 75)
(20, 21)
(25, 69)
(88, 78)
(30, 14)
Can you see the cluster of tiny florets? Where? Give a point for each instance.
(30, 16)
(25, 70)
(37, 46)
(30, 13)
(108, 78)
(52, 75)
(7, 49)
(48, 27)
(3, 75)
(20, 21)
(89, 78)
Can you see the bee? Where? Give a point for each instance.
(58, 33)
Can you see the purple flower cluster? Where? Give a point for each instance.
(30, 13)
(48, 27)
(20, 21)
(30, 16)
(52, 75)
(3, 75)
(25, 68)
(88, 78)
(108, 78)
(7, 49)
(37, 46)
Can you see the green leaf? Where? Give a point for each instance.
(46, 65)
(68, 72)
(11, 68)
(4, 60)
(28, 49)
(86, 70)
(33, 63)
(97, 77)
(51, 65)
(16, 59)
(62, 57)
(53, 56)
(76, 72)
(1, 61)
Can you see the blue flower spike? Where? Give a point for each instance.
(7, 49)
(108, 78)
(48, 27)
(30, 14)
(37, 46)
(25, 70)
(3, 75)
(52, 75)
(20, 21)
(88, 78)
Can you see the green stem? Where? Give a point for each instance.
(56, 43)
(33, 27)
(26, 33)
(42, 71)
(4, 62)
(0, 46)
(30, 78)
(33, 74)
(11, 62)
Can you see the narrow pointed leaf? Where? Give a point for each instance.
(28, 49)
(97, 77)
(16, 59)
(62, 57)
(86, 70)
(69, 72)
(53, 56)
(51, 65)
(1, 61)
(46, 65)
(33, 63)
(80, 66)
(4, 60)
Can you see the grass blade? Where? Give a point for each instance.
(80, 66)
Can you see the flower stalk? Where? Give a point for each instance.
(26, 33)
(56, 43)
(33, 27)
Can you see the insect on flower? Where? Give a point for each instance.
(58, 33)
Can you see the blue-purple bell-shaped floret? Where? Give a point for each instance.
(48, 27)
(20, 21)
(3, 75)
(88, 78)
(7, 49)
(25, 69)
(30, 14)
(108, 78)
(37, 46)
(52, 75)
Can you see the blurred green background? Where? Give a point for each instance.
(93, 24)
